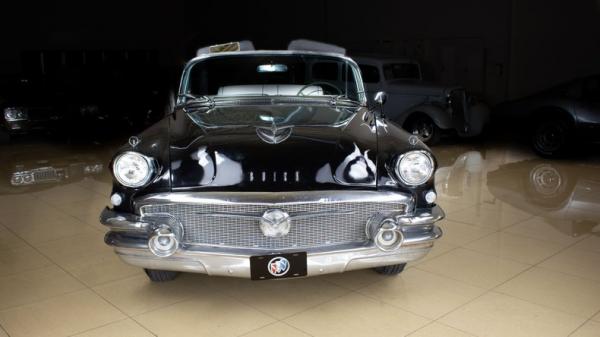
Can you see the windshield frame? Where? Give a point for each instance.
(183, 95)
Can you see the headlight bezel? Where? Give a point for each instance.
(402, 179)
(150, 162)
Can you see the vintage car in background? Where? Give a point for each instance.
(272, 166)
(555, 119)
(30, 168)
(422, 108)
(565, 194)
(83, 101)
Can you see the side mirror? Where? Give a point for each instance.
(380, 97)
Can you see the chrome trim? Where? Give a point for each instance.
(272, 198)
(421, 217)
(134, 251)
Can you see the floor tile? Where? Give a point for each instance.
(515, 247)
(59, 316)
(423, 293)
(474, 268)
(35, 285)
(356, 315)
(481, 216)
(15, 203)
(8, 240)
(204, 316)
(292, 295)
(3, 333)
(440, 247)
(35, 232)
(439, 330)
(124, 328)
(65, 194)
(576, 262)
(590, 243)
(276, 330)
(88, 258)
(597, 317)
(18, 260)
(460, 233)
(355, 279)
(500, 315)
(136, 295)
(538, 228)
(557, 290)
(589, 329)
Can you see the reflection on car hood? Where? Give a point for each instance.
(320, 147)
(272, 115)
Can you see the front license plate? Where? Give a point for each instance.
(289, 265)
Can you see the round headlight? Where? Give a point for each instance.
(414, 168)
(132, 169)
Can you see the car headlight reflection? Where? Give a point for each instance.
(414, 168)
(133, 169)
(13, 114)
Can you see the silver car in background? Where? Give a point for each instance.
(424, 109)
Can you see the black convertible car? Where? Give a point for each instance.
(557, 118)
(272, 166)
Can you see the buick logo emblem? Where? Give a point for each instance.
(278, 266)
(275, 223)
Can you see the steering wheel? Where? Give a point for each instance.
(335, 88)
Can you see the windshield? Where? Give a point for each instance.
(301, 75)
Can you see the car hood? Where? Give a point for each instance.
(259, 148)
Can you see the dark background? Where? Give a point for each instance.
(501, 49)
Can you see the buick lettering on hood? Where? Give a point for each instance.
(271, 165)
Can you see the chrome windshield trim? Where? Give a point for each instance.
(274, 198)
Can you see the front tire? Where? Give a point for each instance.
(551, 138)
(424, 128)
(161, 275)
(390, 270)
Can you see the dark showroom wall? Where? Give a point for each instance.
(500, 49)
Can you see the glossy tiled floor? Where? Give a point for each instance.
(520, 257)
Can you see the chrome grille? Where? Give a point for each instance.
(237, 225)
(45, 174)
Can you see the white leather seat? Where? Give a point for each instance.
(269, 90)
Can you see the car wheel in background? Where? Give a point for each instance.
(424, 128)
(161, 275)
(551, 137)
(390, 270)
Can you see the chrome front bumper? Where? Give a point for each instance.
(129, 235)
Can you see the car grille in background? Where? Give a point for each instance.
(45, 174)
(237, 225)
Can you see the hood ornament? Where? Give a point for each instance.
(134, 141)
(274, 134)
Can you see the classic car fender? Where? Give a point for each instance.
(440, 116)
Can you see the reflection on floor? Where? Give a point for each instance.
(520, 257)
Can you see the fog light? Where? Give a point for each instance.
(389, 236)
(163, 242)
(430, 197)
(116, 199)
